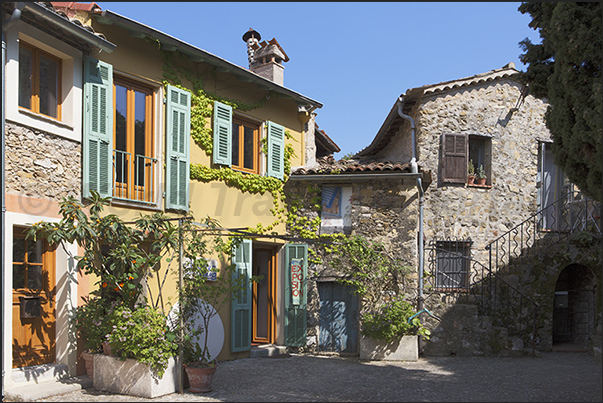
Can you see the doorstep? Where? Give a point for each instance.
(42, 390)
(268, 351)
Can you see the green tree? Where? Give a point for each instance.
(565, 69)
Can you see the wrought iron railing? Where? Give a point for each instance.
(134, 178)
(498, 295)
(551, 225)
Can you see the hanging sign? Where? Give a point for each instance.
(196, 268)
(297, 278)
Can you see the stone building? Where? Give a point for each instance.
(410, 189)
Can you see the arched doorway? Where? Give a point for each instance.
(574, 307)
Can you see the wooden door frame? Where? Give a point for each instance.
(272, 298)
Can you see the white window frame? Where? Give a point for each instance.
(70, 124)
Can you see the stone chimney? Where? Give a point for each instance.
(266, 58)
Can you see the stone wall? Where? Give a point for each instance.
(41, 165)
(382, 210)
(483, 214)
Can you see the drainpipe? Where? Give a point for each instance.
(5, 26)
(415, 169)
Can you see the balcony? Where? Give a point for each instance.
(134, 178)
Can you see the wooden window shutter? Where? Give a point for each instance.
(276, 151)
(222, 134)
(296, 287)
(98, 128)
(178, 116)
(240, 316)
(454, 158)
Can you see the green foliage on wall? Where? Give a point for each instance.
(176, 68)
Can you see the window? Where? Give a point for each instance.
(458, 150)
(119, 137)
(134, 165)
(245, 145)
(39, 81)
(237, 143)
(452, 264)
(27, 263)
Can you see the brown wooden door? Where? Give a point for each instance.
(264, 297)
(33, 302)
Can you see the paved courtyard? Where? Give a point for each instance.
(552, 377)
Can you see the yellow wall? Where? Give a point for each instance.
(139, 58)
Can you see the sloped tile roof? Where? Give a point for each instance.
(393, 122)
(328, 165)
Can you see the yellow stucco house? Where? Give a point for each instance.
(158, 125)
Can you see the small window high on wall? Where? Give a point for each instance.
(336, 210)
(39, 81)
(457, 150)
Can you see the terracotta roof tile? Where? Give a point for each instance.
(328, 165)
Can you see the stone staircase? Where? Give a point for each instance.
(463, 332)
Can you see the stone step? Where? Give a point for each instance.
(39, 374)
(34, 391)
(268, 351)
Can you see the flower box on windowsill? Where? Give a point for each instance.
(405, 349)
(132, 378)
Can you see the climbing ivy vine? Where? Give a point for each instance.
(177, 67)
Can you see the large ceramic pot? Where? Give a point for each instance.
(200, 378)
(89, 360)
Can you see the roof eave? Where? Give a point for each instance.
(83, 34)
(354, 177)
(135, 28)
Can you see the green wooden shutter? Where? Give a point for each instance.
(276, 150)
(454, 158)
(222, 134)
(240, 317)
(178, 117)
(295, 310)
(97, 142)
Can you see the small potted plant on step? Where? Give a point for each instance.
(481, 176)
(470, 173)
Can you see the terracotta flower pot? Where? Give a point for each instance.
(107, 348)
(200, 378)
(470, 179)
(481, 181)
(89, 360)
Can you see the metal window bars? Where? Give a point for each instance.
(134, 179)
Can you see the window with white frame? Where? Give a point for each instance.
(39, 81)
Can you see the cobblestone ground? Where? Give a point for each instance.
(552, 377)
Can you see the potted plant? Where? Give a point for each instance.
(92, 326)
(481, 176)
(205, 291)
(122, 256)
(470, 173)
(379, 278)
(391, 332)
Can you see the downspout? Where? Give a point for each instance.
(15, 16)
(415, 170)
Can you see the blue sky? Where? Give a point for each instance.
(356, 58)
